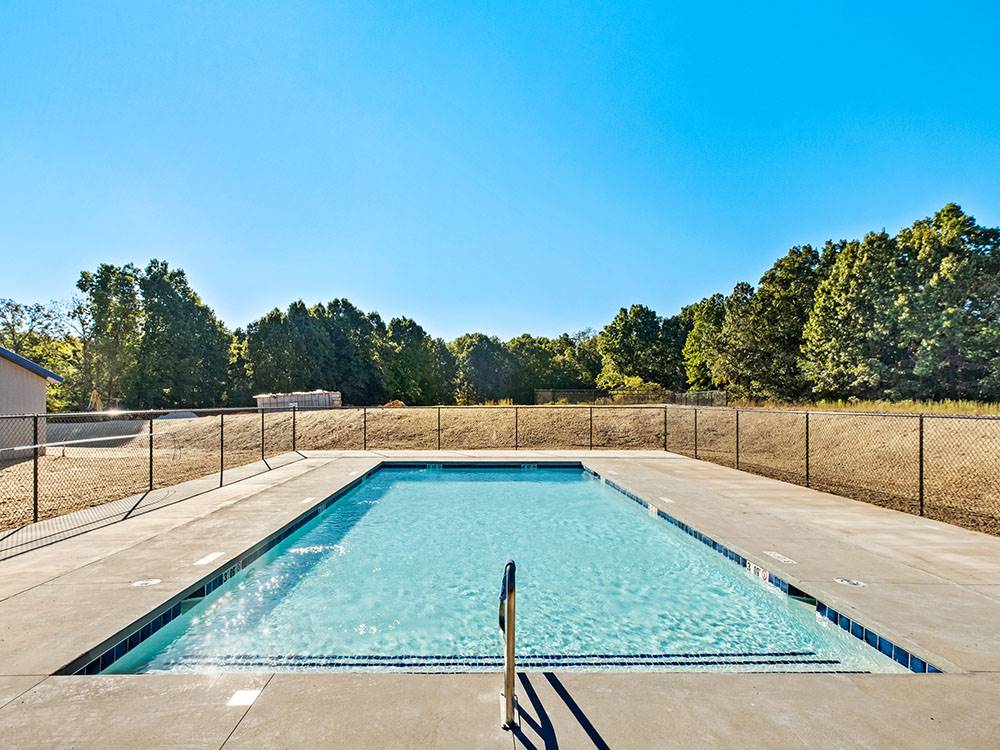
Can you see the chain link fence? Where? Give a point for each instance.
(941, 467)
(63, 473)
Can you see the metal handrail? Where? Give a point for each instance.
(507, 615)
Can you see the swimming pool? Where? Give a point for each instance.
(402, 573)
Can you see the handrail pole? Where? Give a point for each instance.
(509, 668)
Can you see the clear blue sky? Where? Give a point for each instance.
(501, 169)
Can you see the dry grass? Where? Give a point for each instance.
(864, 456)
(869, 457)
(75, 477)
(944, 408)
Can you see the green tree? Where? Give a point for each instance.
(949, 308)
(417, 368)
(749, 342)
(445, 370)
(674, 333)
(483, 369)
(701, 342)
(183, 354)
(238, 383)
(332, 346)
(354, 336)
(638, 343)
(562, 362)
(533, 365)
(629, 347)
(733, 354)
(407, 356)
(583, 357)
(265, 353)
(851, 338)
(778, 312)
(109, 327)
(29, 329)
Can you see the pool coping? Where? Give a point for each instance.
(95, 660)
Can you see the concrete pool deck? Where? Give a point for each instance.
(931, 588)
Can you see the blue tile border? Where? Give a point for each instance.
(855, 628)
(163, 615)
(465, 465)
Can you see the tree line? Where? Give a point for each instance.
(910, 316)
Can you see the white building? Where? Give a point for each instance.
(300, 400)
(22, 391)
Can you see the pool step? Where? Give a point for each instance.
(459, 662)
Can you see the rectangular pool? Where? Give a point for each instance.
(403, 571)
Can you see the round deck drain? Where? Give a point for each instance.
(850, 582)
(147, 582)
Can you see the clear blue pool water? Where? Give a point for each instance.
(403, 573)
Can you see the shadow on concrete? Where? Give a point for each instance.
(538, 720)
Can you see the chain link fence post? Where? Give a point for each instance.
(439, 428)
(807, 450)
(591, 428)
(364, 428)
(34, 469)
(515, 429)
(920, 462)
(222, 448)
(150, 454)
(737, 438)
(295, 410)
(664, 428)
(696, 432)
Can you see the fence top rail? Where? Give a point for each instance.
(215, 411)
(64, 443)
(835, 413)
(205, 411)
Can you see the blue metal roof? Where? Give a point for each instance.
(27, 364)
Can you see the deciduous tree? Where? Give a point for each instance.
(183, 353)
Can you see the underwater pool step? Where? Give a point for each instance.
(528, 661)
(491, 657)
(498, 665)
